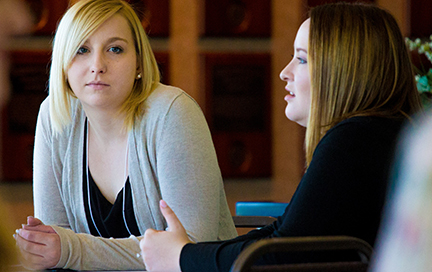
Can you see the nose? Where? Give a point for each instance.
(286, 74)
(98, 64)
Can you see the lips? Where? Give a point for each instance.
(97, 85)
(289, 96)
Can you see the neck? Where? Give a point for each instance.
(106, 127)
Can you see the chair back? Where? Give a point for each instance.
(251, 254)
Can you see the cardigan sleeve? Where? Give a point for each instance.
(188, 173)
(46, 191)
(342, 193)
(97, 253)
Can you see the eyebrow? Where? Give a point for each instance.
(113, 39)
(301, 50)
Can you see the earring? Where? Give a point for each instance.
(138, 76)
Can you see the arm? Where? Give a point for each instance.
(187, 169)
(39, 244)
(81, 251)
(48, 205)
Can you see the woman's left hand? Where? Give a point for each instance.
(39, 245)
(161, 249)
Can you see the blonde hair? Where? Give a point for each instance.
(359, 66)
(80, 22)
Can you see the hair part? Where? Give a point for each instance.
(359, 66)
(77, 25)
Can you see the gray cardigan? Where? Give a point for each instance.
(171, 157)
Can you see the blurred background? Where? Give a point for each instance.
(227, 54)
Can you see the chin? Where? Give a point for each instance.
(301, 122)
(291, 116)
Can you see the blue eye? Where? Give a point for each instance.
(116, 50)
(82, 50)
(302, 61)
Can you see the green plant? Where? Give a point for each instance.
(423, 77)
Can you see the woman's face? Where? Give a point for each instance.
(296, 74)
(104, 69)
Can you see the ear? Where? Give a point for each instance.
(138, 73)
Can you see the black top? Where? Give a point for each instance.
(342, 193)
(108, 217)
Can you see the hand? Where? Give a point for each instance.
(161, 249)
(39, 245)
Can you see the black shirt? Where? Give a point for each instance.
(342, 193)
(108, 217)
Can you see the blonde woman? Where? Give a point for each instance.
(111, 141)
(351, 83)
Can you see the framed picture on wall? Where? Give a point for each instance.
(46, 15)
(240, 18)
(29, 79)
(238, 112)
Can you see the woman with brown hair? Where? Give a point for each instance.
(351, 83)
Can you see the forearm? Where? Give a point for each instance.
(87, 252)
(211, 256)
(219, 256)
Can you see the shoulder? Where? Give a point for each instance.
(43, 125)
(358, 138)
(165, 96)
(364, 128)
(44, 109)
(168, 102)
(44, 122)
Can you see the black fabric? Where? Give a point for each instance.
(342, 193)
(108, 217)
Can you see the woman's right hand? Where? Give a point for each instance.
(161, 249)
(39, 245)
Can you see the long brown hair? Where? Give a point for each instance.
(359, 66)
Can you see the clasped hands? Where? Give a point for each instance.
(39, 245)
(161, 249)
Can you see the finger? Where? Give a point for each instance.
(31, 261)
(26, 247)
(41, 228)
(32, 221)
(37, 237)
(173, 222)
(149, 232)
